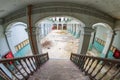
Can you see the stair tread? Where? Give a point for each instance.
(58, 70)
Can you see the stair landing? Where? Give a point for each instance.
(56, 69)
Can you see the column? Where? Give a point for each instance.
(74, 30)
(71, 28)
(31, 31)
(77, 35)
(57, 26)
(84, 40)
(92, 39)
(108, 43)
(44, 30)
(33, 40)
(38, 38)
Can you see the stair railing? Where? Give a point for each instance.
(21, 68)
(97, 68)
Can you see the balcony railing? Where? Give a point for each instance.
(97, 68)
(21, 68)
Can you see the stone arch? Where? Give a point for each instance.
(105, 25)
(87, 15)
(14, 24)
(17, 38)
(101, 38)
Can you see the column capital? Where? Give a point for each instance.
(88, 30)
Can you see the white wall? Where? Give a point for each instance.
(101, 33)
(116, 41)
(16, 34)
(3, 45)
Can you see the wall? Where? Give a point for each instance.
(101, 32)
(15, 35)
(116, 41)
(3, 49)
(3, 45)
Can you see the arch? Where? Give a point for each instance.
(14, 24)
(105, 25)
(87, 15)
(17, 39)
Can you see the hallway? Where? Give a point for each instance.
(58, 70)
(61, 44)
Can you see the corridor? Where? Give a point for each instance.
(61, 44)
(58, 70)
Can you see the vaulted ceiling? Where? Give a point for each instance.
(111, 7)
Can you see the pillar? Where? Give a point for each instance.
(74, 30)
(108, 43)
(38, 38)
(44, 30)
(78, 31)
(84, 40)
(31, 32)
(57, 26)
(71, 28)
(92, 39)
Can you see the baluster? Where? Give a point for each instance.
(23, 67)
(77, 60)
(86, 63)
(6, 65)
(106, 71)
(35, 64)
(39, 62)
(47, 56)
(82, 66)
(117, 72)
(28, 66)
(80, 61)
(31, 64)
(94, 67)
(4, 75)
(99, 70)
(28, 62)
(87, 72)
(14, 64)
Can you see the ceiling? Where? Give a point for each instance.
(111, 7)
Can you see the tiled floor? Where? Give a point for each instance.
(58, 70)
(62, 44)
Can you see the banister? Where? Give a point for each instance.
(22, 67)
(97, 68)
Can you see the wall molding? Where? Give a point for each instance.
(56, 7)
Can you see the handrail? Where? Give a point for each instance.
(97, 68)
(22, 67)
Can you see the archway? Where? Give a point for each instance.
(100, 39)
(58, 36)
(17, 39)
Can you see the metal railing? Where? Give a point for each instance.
(21, 68)
(97, 68)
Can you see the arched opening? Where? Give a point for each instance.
(59, 36)
(17, 39)
(100, 39)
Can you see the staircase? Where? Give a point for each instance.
(97, 68)
(85, 68)
(58, 69)
(23, 67)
